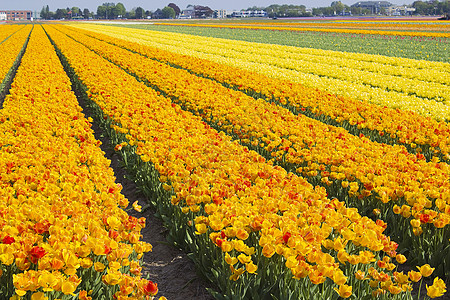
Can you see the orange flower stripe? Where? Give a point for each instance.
(307, 146)
(382, 121)
(7, 30)
(58, 195)
(231, 191)
(315, 29)
(11, 43)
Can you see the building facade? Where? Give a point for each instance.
(374, 6)
(188, 13)
(220, 13)
(248, 13)
(17, 15)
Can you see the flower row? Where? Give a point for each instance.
(8, 30)
(379, 123)
(63, 233)
(303, 144)
(190, 45)
(320, 69)
(11, 47)
(401, 67)
(337, 30)
(340, 56)
(255, 213)
(388, 24)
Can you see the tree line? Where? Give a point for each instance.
(110, 10)
(338, 8)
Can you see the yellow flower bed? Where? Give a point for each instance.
(9, 49)
(7, 30)
(338, 30)
(309, 146)
(63, 234)
(251, 209)
(222, 51)
(409, 128)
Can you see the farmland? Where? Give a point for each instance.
(292, 160)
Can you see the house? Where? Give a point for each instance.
(400, 10)
(248, 13)
(188, 13)
(374, 6)
(17, 14)
(220, 13)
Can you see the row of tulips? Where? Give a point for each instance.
(63, 235)
(205, 47)
(381, 124)
(8, 30)
(389, 25)
(396, 66)
(316, 29)
(252, 220)
(10, 50)
(322, 68)
(417, 48)
(367, 174)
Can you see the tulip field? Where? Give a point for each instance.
(286, 171)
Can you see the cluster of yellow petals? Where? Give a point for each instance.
(240, 192)
(60, 214)
(438, 288)
(12, 40)
(310, 146)
(254, 57)
(316, 29)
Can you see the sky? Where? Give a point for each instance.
(153, 5)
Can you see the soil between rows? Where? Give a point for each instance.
(166, 265)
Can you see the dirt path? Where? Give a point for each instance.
(166, 265)
(169, 267)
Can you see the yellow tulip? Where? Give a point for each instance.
(425, 270)
(344, 291)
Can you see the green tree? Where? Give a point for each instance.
(86, 13)
(118, 10)
(75, 11)
(43, 14)
(175, 8)
(102, 12)
(139, 13)
(338, 7)
(61, 13)
(423, 8)
(168, 13)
